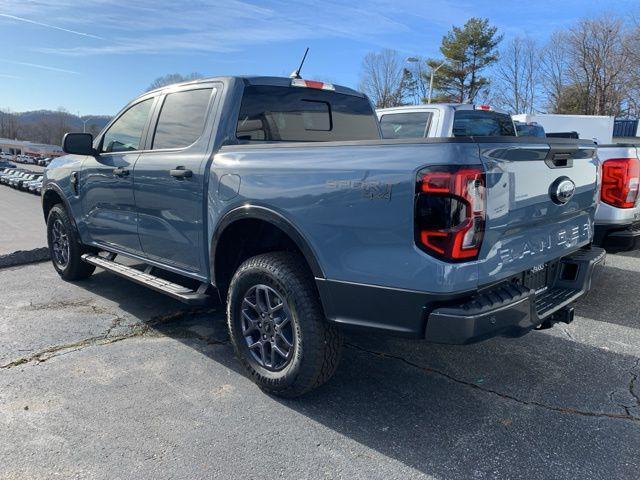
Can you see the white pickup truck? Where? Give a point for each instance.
(445, 120)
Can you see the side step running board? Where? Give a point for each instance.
(179, 292)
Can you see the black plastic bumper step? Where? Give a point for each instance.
(174, 290)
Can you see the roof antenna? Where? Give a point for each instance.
(296, 73)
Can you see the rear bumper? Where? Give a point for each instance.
(512, 310)
(617, 238)
(506, 309)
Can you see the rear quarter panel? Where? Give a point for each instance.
(354, 205)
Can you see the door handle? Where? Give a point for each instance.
(181, 172)
(121, 172)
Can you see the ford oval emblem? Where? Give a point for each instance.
(562, 190)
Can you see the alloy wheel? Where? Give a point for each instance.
(60, 244)
(267, 327)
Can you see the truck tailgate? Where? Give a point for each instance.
(532, 217)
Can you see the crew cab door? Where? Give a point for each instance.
(170, 179)
(106, 181)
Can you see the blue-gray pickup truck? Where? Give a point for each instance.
(279, 196)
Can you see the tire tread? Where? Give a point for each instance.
(322, 342)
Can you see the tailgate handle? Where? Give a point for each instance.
(561, 160)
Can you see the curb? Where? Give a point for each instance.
(23, 257)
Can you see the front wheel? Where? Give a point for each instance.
(277, 326)
(65, 247)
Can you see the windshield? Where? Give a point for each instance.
(482, 123)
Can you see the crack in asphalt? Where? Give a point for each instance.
(573, 411)
(568, 334)
(633, 381)
(65, 304)
(135, 330)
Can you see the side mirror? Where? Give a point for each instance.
(78, 144)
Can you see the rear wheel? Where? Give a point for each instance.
(277, 326)
(65, 247)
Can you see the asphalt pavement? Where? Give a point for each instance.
(106, 379)
(22, 227)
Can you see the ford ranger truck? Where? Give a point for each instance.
(278, 197)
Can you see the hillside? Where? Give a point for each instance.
(47, 126)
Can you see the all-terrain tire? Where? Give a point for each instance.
(62, 235)
(316, 343)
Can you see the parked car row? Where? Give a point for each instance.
(21, 179)
(26, 159)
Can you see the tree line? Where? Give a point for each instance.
(590, 68)
(47, 126)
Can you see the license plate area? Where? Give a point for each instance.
(540, 277)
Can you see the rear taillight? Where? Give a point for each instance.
(620, 181)
(450, 211)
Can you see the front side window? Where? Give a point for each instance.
(405, 125)
(181, 119)
(126, 132)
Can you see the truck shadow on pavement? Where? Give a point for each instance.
(540, 406)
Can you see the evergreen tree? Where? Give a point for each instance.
(467, 51)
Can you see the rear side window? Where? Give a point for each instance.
(126, 132)
(405, 125)
(291, 114)
(181, 119)
(482, 123)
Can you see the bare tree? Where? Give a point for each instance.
(172, 78)
(518, 77)
(599, 64)
(417, 72)
(381, 78)
(8, 124)
(631, 44)
(554, 69)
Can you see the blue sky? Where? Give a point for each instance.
(94, 56)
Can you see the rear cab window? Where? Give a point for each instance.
(293, 114)
(406, 125)
(482, 123)
(529, 130)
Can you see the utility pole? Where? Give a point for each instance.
(84, 123)
(419, 75)
(433, 72)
